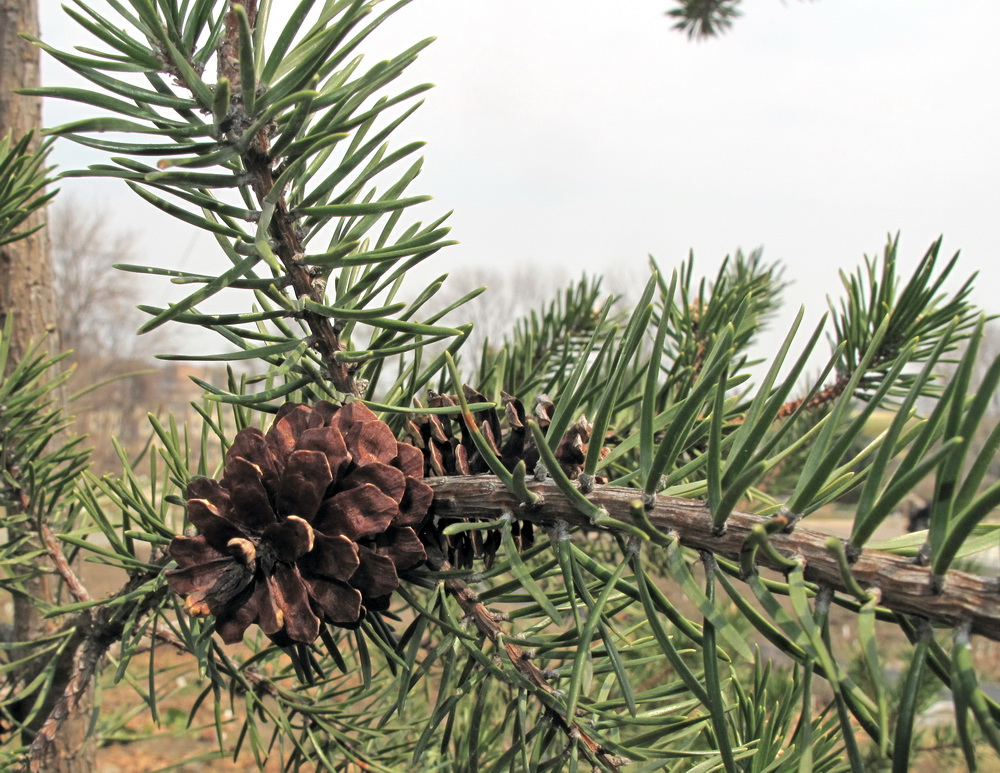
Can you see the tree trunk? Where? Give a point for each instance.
(25, 266)
(26, 292)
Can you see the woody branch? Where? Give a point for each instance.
(287, 243)
(904, 585)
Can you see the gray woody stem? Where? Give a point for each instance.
(283, 232)
(904, 585)
(487, 624)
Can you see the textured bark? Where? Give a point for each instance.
(25, 287)
(26, 292)
(287, 245)
(905, 586)
(25, 267)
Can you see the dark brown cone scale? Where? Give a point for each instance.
(311, 522)
(448, 449)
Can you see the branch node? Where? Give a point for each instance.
(529, 506)
(791, 519)
(824, 597)
(558, 532)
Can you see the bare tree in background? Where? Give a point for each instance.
(517, 291)
(513, 292)
(96, 301)
(99, 320)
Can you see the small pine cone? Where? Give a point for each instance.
(448, 449)
(310, 522)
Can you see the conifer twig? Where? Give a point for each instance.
(487, 624)
(825, 396)
(73, 583)
(93, 637)
(287, 244)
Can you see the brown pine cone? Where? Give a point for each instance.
(448, 449)
(310, 522)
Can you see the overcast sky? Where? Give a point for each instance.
(586, 135)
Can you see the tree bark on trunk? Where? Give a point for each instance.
(26, 293)
(25, 266)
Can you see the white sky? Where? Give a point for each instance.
(586, 135)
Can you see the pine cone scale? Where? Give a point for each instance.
(300, 622)
(247, 494)
(376, 576)
(336, 557)
(389, 480)
(217, 530)
(303, 485)
(357, 513)
(339, 602)
(290, 539)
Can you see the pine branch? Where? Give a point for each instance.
(287, 244)
(95, 634)
(905, 586)
(826, 396)
(487, 623)
(54, 549)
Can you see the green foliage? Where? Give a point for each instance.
(534, 360)
(610, 643)
(705, 18)
(301, 188)
(919, 313)
(23, 177)
(39, 467)
(39, 464)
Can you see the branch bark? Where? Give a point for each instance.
(904, 585)
(487, 624)
(283, 231)
(95, 634)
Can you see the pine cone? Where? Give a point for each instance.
(449, 450)
(311, 522)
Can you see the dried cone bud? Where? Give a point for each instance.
(310, 522)
(448, 449)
